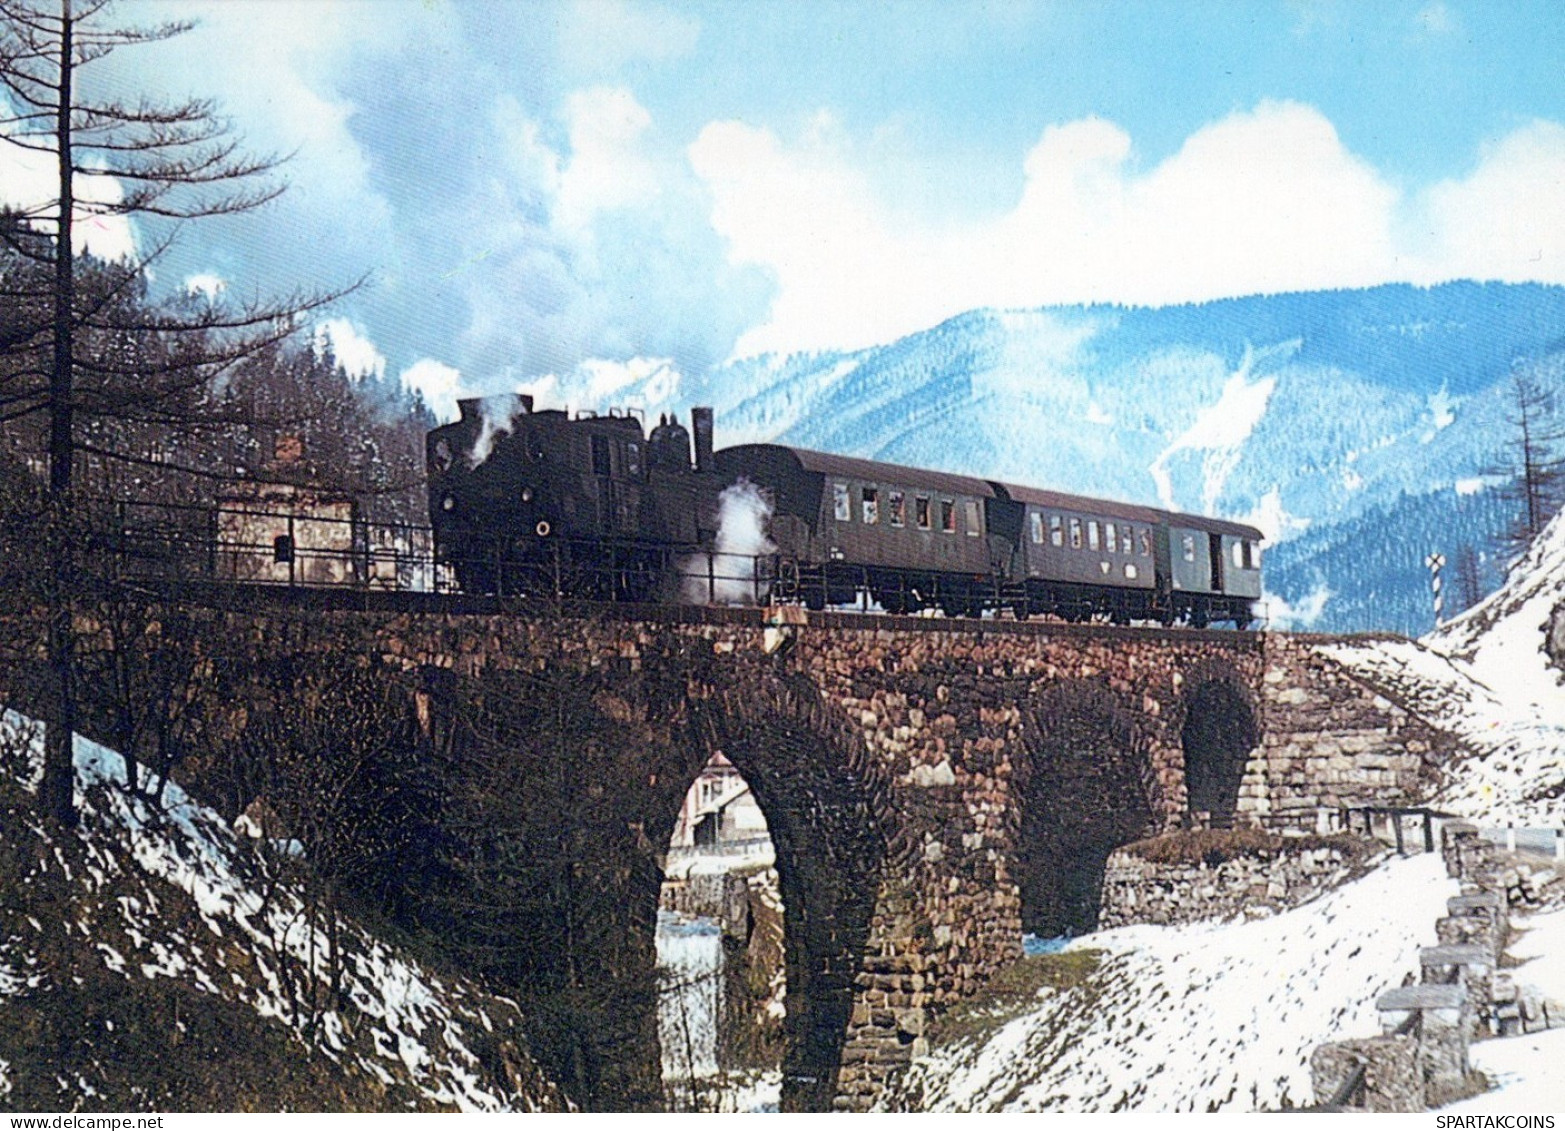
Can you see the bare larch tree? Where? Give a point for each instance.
(1532, 471)
(84, 346)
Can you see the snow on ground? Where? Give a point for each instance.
(1211, 1016)
(1486, 679)
(1514, 765)
(1525, 1072)
(1538, 945)
(1501, 639)
(401, 1012)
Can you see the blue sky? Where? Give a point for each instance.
(535, 187)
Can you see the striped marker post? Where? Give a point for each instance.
(1436, 562)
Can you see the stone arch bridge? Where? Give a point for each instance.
(932, 787)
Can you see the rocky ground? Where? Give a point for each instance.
(153, 960)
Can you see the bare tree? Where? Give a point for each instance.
(1533, 470)
(100, 351)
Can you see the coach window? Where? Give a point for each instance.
(600, 455)
(1146, 542)
(1056, 531)
(896, 504)
(1075, 533)
(1239, 555)
(842, 503)
(1111, 537)
(1255, 554)
(921, 511)
(948, 516)
(870, 499)
(632, 458)
(974, 527)
(1187, 542)
(1092, 534)
(1035, 525)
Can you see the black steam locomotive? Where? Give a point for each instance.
(528, 502)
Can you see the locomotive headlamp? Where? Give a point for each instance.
(527, 494)
(448, 503)
(543, 529)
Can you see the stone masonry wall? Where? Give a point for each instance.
(1331, 742)
(1255, 884)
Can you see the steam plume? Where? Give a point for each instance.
(497, 418)
(733, 574)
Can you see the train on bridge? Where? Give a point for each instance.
(528, 502)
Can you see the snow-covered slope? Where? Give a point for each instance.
(1204, 1017)
(158, 920)
(1488, 679)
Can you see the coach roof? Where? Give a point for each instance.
(872, 471)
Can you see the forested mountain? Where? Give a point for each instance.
(1361, 430)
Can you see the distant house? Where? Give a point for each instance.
(718, 810)
(279, 530)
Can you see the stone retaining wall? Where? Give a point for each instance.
(1260, 881)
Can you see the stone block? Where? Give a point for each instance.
(1392, 1079)
(1440, 1016)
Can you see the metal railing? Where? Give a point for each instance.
(1394, 817)
(260, 545)
(324, 543)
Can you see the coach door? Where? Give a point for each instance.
(1214, 543)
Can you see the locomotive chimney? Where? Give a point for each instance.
(701, 424)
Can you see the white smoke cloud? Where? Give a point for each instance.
(206, 284)
(734, 573)
(29, 181)
(1279, 613)
(497, 416)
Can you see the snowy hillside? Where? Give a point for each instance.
(1303, 412)
(1199, 1018)
(1488, 679)
(151, 960)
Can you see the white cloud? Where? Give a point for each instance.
(206, 284)
(1263, 201)
(438, 383)
(28, 181)
(610, 166)
(358, 356)
(1506, 220)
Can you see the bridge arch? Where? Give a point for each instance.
(832, 826)
(1218, 723)
(1086, 786)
